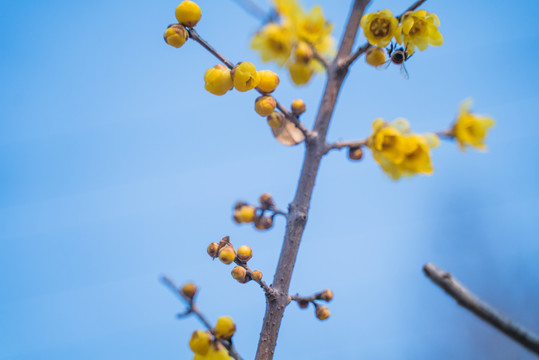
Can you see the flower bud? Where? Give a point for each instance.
(188, 13)
(213, 249)
(244, 253)
(263, 222)
(300, 73)
(218, 80)
(264, 105)
(266, 201)
(355, 153)
(227, 254)
(189, 290)
(303, 52)
(240, 274)
(176, 35)
(245, 214)
(217, 351)
(375, 56)
(225, 328)
(268, 81)
(275, 120)
(245, 77)
(200, 342)
(322, 312)
(257, 275)
(303, 304)
(298, 107)
(325, 295)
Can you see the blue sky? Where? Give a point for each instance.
(116, 166)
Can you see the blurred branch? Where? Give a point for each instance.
(192, 309)
(256, 11)
(346, 144)
(363, 48)
(471, 302)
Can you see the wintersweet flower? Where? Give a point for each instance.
(300, 73)
(218, 80)
(188, 13)
(313, 27)
(245, 77)
(379, 27)
(471, 129)
(419, 28)
(225, 328)
(176, 35)
(274, 42)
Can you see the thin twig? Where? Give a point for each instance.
(471, 302)
(293, 119)
(192, 309)
(363, 48)
(347, 144)
(256, 11)
(268, 289)
(319, 57)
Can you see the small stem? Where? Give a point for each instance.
(348, 144)
(268, 289)
(253, 9)
(294, 120)
(483, 310)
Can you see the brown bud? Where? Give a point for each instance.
(322, 312)
(257, 275)
(355, 153)
(325, 295)
(266, 201)
(189, 290)
(227, 254)
(240, 274)
(213, 250)
(303, 304)
(263, 222)
(244, 253)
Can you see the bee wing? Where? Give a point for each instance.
(384, 65)
(404, 72)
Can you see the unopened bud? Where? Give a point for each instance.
(176, 35)
(266, 201)
(265, 105)
(200, 342)
(298, 107)
(213, 249)
(326, 295)
(189, 290)
(263, 222)
(245, 214)
(227, 254)
(355, 153)
(303, 52)
(268, 81)
(303, 304)
(225, 328)
(244, 253)
(188, 13)
(240, 274)
(257, 275)
(375, 56)
(322, 312)
(275, 120)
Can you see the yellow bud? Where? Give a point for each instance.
(213, 248)
(227, 254)
(225, 328)
(263, 222)
(176, 35)
(240, 274)
(326, 295)
(200, 342)
(257, 275)
(245, 77)
(355, 153)
(300, 73)
(375, 56)
(268, 81)
(298, 107)
(303, 52)
(275, 120)
(188, 13)
(244, 253)
(322, 312)
(189, 290)
(266, 201)
(217, 352)
(264, 105)
(246, 213)
(218, 80)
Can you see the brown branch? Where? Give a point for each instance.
(299, 208)
(363, 48)
(471, 302)
(346, 144)
(192, 309)
(260, 282)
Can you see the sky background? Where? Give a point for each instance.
(116, 167)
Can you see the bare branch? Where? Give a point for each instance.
(471, 302)
(363, 48)
(256, 11)
(347, 144)
(268, 289)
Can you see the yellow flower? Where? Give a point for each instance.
(300, 73)
(274, 42)
(313, 27)
(399, 152)
(245, 76)
(376, 56)
(218, 80)
(288, 8)
(188, 13)
(264, 105)
(225, 328)
(268, 81)
(419, 28)
(379, 27)
(176, 35)
(218, 352)
(470, 129)
(200, 342)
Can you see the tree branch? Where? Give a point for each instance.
(471, 302)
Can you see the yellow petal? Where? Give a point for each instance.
(435, 38)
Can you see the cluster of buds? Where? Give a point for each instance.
(321, 311)
(188, 15)
(208, 344)
(227, 254)
(245, 213)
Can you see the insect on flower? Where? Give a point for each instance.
(397, 56)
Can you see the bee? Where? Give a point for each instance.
(397, 56)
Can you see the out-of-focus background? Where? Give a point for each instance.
(116, 166)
